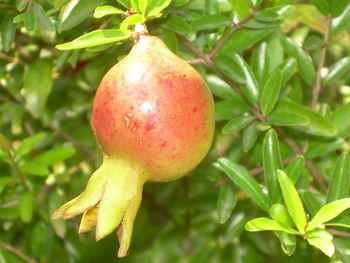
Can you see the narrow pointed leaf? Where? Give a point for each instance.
(340, 118)
(272, 162)
(155, 7)
(292, 201)
(312, 201)
(321, 239)
(305, 65)
(42, 18)
(339, 23)
(281, 118)
(267, 224)
(341, 221)
(226, 202)
(288, 242)
(105, 10)
(295, 168)
(280, 214)
(240, 176)
(250, 135)
(270, 93)
(228, 65)
(287, 68)
(260, 63)
(328, 212)
(94, 38)
(210, 22)
(238, 123)
(337, 70)
(317, 148)
(25, 206)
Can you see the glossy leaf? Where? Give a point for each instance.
(322, 5)
(328, 212)
(272, 162)
(220, 88)
(249, 137)
(94, 38)
(342, 249)
(21, 4)
(339, 23)
(294, 168)
(240, 176)
(155, 7)
(267, 224)
(318, 125)
(230, 108)
(176, 24)
(210, 22)
(36, 92)
(280, 118)
(288, 242)
(274, 13)
(338, 6)
(306, 68)
(42, 18)
(318, 148)
(270, 92)
(250, 88)
(227, 201)
(292, 201)
(313, 201)
(260, 63)
(105, 10)
(238, 123)
(130, 20)
(287, 68)
(229, 66)
(7, 32)
(337, 71)
(280, 214)
(341, 221)
(75, 12)
(25, 206)
(321, 239)
(340, 181)
(340, 118)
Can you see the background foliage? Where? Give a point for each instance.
(279, 71)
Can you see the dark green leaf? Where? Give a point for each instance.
(312, 201)
(339, 23)
(94, 38)
(230, 108)
(35, 168)
(177, 24)
(267, 224)
(272, 162)
(42, 18)
(338, 6)
(292, 200)
(125, 3)
(337, 70)
(5, 180)
(238, 123)
(75, 12)
(294, 168)
(30, 143)
(340, 181)
(229, 66)
(270, 92)
(317, 148)
(280, 118)
(210, 22)
(220, 88)
(314, 42)
(342, 249)
(341, 221)
(340, 118)
(226, 202)
(249, 137)
(306, 67)
(250, 88)
(25, 206)
(274, 13)
(36, 92)
(260, 63)
(322, 6)
(288, 69)
(30, 20)
(56, 155)
(245, 181)
(105, 10)
(21, 4)
(7, 32)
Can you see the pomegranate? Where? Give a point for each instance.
(153, 116)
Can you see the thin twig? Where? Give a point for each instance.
(3, 6)
(16, 61)
(236, 27)
(29, 6)
(317, 87)
(107, 22)
(339, 233)
(16, 252)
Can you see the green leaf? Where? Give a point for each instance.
(341, 221)
(106, 10)
(176, 24)
(338, 6)
(30, 20)
(267, 224)
(21, 4)
(318, 125)
(56, 155)
(306, 67)
(272, 161)
(294, 168)
(7, 32)
(314, 42)
(34, 168)
(36, 92)
(280, 118)
(94, 38)
(339, 23)
(321, 239)
(229, 66)
(249, 137)
(340, 118)
(322, 6)
(342, 249)
(288, 69)
(42, 18)
(292, 201)
(312, 201)
(30, 143)
(4, 144)
(220, 88)
(274, 13)
(226, 203)
(242, 39)
(340, 181)
(250, 88)
(260, 63)
(75, 12)
(230, 108)
(328, 212)
(5, 180)
(280, 214)
(270, 92)
(25, 206)
(238, 123)
(245, 181)
(137, 4)
(130, 20)
(319, 148)
(337, 71)
(288, 242)
(210, 22)
(155, 7)
(125, 3)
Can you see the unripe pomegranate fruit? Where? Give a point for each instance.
(153, 116)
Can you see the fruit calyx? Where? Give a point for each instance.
(110, 200)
